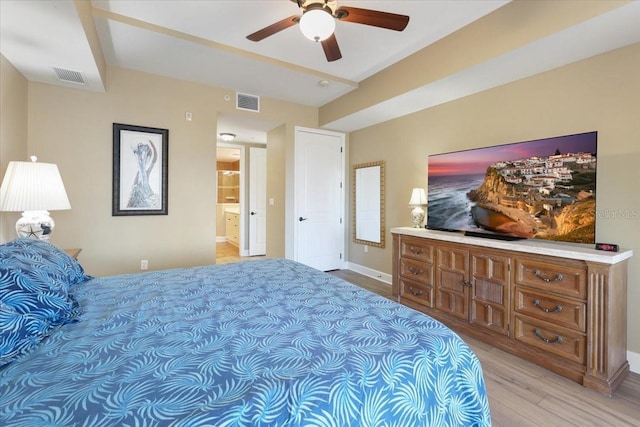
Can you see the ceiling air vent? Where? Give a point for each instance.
(247, 102)
(69, 76)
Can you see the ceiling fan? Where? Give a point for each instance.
(317, 23)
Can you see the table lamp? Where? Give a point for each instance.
(33, 189)
(418, 200)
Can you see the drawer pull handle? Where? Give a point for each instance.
(466, 283)
(414, 292)
(414, 271)
(558, 308)
(558, 339)
(539, 275)
(416, 251)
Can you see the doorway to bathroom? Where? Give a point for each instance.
(241, 202)
(241, 185)
(229, 201)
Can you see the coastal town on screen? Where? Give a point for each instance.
(537, 189)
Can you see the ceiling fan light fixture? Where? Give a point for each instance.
(226, 136)
(317, 24)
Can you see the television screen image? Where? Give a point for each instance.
(543, 189)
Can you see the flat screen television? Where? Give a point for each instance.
(543, 189)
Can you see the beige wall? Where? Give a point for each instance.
(73, 128)
(598, 94)
(13, 131)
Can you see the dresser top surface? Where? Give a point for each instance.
(541, 247)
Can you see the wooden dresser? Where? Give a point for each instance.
(562, 306)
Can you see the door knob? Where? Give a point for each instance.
(253, 213)
(302, 219)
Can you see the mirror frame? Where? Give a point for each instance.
(382, 213)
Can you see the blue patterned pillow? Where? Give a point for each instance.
(35, 277)
(52, 263)
(29, 292)
(19, 333)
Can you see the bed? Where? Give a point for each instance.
(259, 343)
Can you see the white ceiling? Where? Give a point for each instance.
(204, 41)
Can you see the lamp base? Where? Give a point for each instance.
(418, 216)
(35, 225)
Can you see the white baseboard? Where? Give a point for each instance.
(221, 239)
(634, 361)
(366, 271)
(633, 358)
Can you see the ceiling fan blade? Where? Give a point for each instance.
(390, 21)
(274, 28)
(331, 48)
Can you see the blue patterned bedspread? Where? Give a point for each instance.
(260, 343)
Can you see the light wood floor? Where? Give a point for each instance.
(522, 394)
(227, 252)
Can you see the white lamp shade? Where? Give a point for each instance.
(418, 197)
(317, 24)
(31, 186)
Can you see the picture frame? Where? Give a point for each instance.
(140, 170)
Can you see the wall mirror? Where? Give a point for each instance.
(368, 204)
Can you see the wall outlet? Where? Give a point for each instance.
(366, 249)
(144, 264)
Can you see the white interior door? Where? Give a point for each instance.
(319, 198)
(257, 201)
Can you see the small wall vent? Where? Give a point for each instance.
(247, 102)
(69, 76)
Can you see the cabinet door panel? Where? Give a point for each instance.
(490, 316)
(490, 291)
(453, 304)
(492, 267)
(452, 285)
(453, 259)
(452, 282)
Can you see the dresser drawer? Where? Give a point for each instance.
(416, 249)
(557, 310)
(564, 279)
(551, 338)
(416, 270)
(416, 291)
